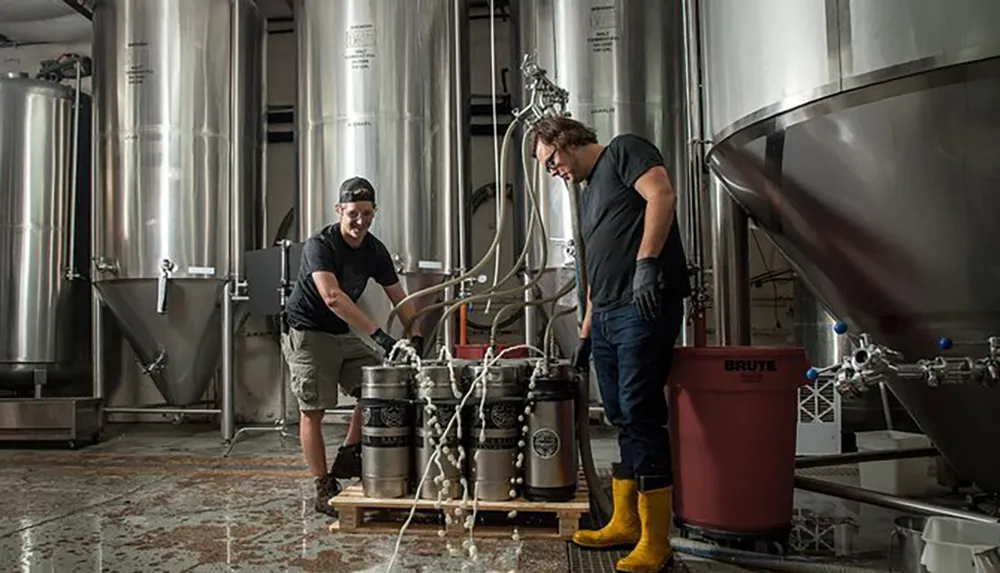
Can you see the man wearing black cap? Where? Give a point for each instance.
(320, 349)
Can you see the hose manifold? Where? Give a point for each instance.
(872, 364)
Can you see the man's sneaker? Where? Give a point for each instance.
(326, 488)
(347, 464)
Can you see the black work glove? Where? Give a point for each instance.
(581, 355)
(647, 288)
(417, 342)
(384, 340)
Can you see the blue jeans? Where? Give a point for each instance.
(632, 358)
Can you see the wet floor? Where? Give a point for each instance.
(163, 499)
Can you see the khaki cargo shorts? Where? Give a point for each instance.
(318, 362)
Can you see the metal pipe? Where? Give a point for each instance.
(228, 421)
(886, 410)
(188, 411)
(460, 13)
(237, 142)
(72, 272)
(99, 350)
(860, 457)
(886, 500)
(260, 126)
(530, 313)
(692, 194)
(731, 267)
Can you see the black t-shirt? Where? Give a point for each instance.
(612, 216)
(328, 251)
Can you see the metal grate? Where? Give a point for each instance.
(590, 561)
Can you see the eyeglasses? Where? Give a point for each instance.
(550, 161)
(355, 214)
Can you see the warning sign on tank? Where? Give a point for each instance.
(603, 37)
(137, 63)
(360, 46)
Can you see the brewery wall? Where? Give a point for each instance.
(258, 368)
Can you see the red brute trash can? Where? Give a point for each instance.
(733, 422)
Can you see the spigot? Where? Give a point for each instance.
(104, 265)
(166, 267)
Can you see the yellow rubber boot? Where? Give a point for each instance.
(653, 554)
(624, 528)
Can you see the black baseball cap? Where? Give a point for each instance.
(357, 189)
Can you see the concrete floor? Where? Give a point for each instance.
(161, 498)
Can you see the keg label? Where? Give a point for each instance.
(360, 45)
(603, 36)
(420, 442)
(385, 416)
(545, 444)
(370, 441)
(494, 444)
(502, 416)
(137, 63)
(444, 414)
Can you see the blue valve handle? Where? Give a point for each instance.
(944, 343)
(840, 327)
(812, 374)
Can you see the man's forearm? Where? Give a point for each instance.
(585, 325)
(656, 225)
(351, 314)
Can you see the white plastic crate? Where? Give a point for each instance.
(895, 477)
(951, 542)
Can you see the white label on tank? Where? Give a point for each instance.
(360, 45)
(603, 29)
(430, 265)
(201, 271)
(137, 63)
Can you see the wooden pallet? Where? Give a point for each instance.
(535, 520)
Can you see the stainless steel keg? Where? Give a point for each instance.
(550, 472)
(386, 431)
(442, 407)
(494, 470)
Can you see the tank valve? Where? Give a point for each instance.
(166, 267)
(872, 364)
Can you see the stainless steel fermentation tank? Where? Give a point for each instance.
(383, 94)
(863, 137)
(44, 234)
(45, 150)
(622, 63)
(179, 87)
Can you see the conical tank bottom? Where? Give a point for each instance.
(884, 200)
(179, 349)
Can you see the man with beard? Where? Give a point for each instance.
(638, 280)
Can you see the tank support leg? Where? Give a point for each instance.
(228, 417)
